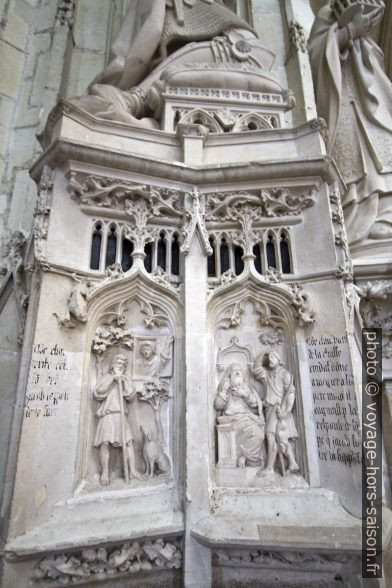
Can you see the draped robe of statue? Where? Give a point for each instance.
(244, 411)
(354, 96)
(151, 32)
(153, 28)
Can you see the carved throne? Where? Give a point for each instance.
(226, 433)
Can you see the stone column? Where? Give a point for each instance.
(299, 22)
(197, 559)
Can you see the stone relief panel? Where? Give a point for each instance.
(256, 404)
(129, 403)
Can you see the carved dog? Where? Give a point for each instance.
(153, 454)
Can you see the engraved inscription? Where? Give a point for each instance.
(46, 392)
(334, 404)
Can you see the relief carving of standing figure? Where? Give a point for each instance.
(113, 392)
(279, 397)
(354, 96)
(241, 405)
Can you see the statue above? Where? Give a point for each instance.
(154, 29)
(177, 43)
(354, 96)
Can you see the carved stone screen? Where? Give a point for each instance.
(206, 247)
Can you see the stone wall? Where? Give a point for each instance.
(48, 49)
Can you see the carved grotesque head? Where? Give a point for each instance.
(271, 360)
(119, 364)
(147, 349)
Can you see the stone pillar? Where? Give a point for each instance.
(197, 559)
(299, 21)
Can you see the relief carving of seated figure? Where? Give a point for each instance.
(181, 43)
(241, 406)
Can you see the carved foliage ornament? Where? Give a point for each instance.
(247, 238)
(290, 560)
(300, 302)
(113, 193)
(298, 37)
(91, 563)
(41, 215)
(275, 202)
(345, 269)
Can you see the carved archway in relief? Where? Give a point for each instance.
(140, 320)
(248, 319)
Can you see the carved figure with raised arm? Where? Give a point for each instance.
(354, 96)
(113, 392)
(240, 405)
(279, 397)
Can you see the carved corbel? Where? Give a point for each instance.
(302, 305)
(77, 304)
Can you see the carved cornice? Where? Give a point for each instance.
(323, 167)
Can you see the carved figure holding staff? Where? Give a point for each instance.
(113, 392)
(279, 397)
